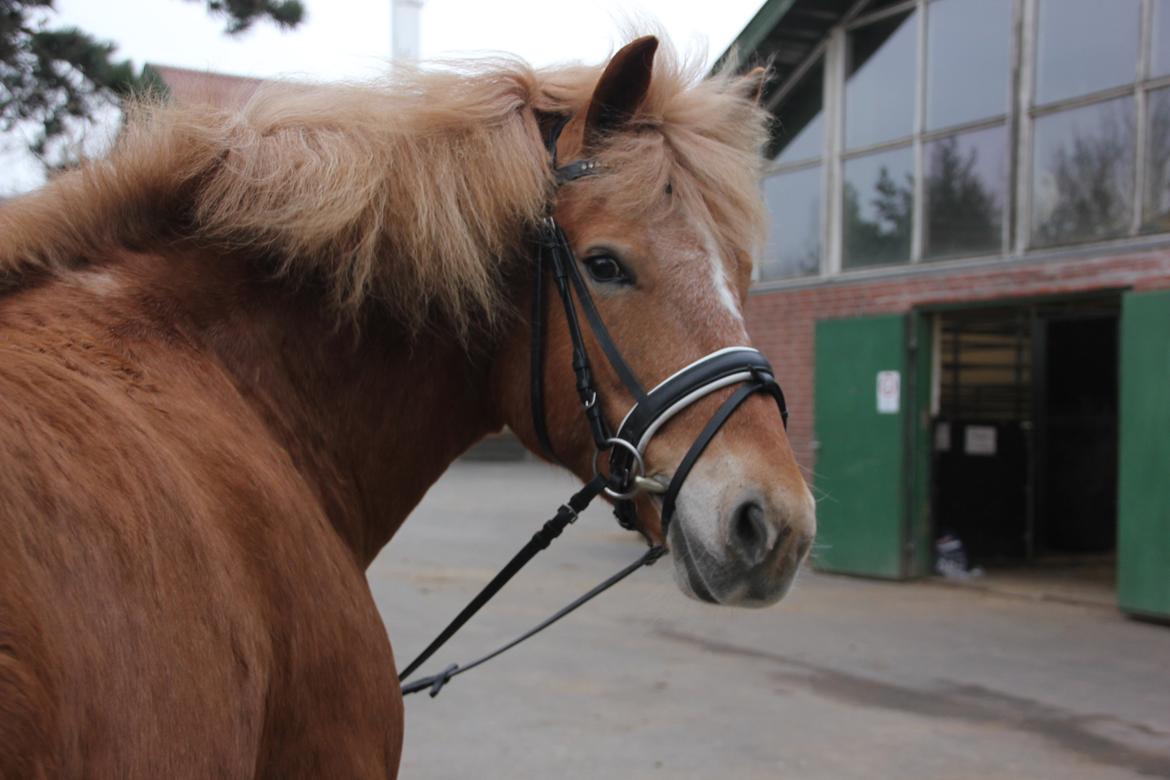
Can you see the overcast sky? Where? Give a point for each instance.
(344, 39)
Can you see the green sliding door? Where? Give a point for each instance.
(866, 476)
(1143, 506)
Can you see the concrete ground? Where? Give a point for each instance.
(845, 678)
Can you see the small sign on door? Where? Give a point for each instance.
(889, 392)
(979, 440)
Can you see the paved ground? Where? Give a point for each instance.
(846, 678)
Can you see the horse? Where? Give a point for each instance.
(236, 351)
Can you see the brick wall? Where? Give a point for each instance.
(782, 323)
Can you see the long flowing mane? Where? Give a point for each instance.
(413, 192)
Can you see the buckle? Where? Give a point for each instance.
(625, 494)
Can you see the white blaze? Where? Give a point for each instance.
(719, 276)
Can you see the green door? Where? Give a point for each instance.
(861, 467)
(1143, 504)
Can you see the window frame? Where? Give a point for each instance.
(798, 166)
(1018, 121)
(1139, 89)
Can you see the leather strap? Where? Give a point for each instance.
(537, 356)
(720, 369)
(713, 425)
(690, 383)
(436, 682)
(586, 392)
(555, 254)
(564, 257)
(540, 540)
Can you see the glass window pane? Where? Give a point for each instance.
(1160, 44)
(966, 185)
(969, 45)
(807, 143)
(1082, 173)
(1157, 196)
(878, 208)
(794, 229)
(879, 93)
(799, 130)
(1084, 46)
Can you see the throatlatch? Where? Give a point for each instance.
(626, 478)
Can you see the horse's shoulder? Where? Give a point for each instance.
(28, 686)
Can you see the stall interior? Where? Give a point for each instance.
(1024, 414)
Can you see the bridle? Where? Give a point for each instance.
(743, 367)
(651, 410)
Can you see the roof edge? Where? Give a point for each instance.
(753, 34)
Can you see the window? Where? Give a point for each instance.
(966, 191)
(1084, 149)
(1156, 213)
(808, 142)
(794, 193)
(1160, 45)
(968, 58)
(799, 130)
(1084, 46)
(794, 238)
(878, 208)
(877, 187)
(930, 130)
(968, 81)
(1082, 173)
(879, 90)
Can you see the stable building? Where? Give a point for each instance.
(966, 291)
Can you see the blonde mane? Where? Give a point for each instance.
(412, 193)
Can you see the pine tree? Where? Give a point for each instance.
(964, 213)
(884, 235)
(51, 76)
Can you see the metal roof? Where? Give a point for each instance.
(783, 34)
(785, 31)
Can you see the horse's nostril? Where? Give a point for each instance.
(749, 531)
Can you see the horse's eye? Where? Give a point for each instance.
(605, 269)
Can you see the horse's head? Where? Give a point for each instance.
(663, 232)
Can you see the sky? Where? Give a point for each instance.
(350, 39)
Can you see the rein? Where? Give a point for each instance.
(726, 367)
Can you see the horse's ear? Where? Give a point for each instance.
(754, 83)
(622, 87)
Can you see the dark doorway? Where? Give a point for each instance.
(1025, 429)
(982, 430)
(1077, 435)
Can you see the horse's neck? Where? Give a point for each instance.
(370, 420)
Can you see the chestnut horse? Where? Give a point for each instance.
(235, 353)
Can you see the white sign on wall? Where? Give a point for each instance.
(979, 440)
(889, 392)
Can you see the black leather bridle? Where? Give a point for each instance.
(742, 367)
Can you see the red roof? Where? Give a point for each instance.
(203, 86)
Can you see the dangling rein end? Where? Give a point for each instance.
(436, 682)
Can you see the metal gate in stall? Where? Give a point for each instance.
(1024, 450)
